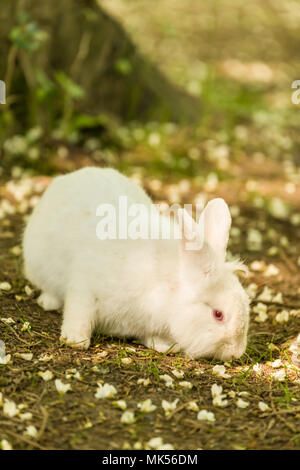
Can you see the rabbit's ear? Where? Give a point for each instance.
(196, 253)
(214, 224)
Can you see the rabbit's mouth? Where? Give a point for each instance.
(231, 349)
(228, 355)
(224, 352)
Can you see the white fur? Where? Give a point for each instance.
(154, 290)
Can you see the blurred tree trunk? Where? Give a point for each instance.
(96, 53)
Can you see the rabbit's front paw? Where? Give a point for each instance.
(48, 302)
(74, 340)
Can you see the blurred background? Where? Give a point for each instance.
(171, 88)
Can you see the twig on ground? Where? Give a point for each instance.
(26, 440)
(44, 423)
(16, 334)
(289, 263)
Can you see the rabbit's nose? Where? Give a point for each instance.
(231, 349)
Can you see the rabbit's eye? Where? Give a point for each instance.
(219, 316)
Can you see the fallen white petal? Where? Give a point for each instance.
(216, 390)
(266, 295)
(178, 374)
(10, 409)
(192, 406)
(28, 290)
(5, 445)
(26, 326)
(25, 416)
(169, 406)
(155, 442)
(144, 382)
(6, 359)
(205, 415)
(121, 404)
(271, 270)
(46, 376)
(261, 317)
(147, 406)
(263, 406)
(8, 321)
(186, 384)
(31, 431)
(127, 417)
(25, 356)
(279, 375)
(282, 317)
(6, 286)
(220, 371)
(277, 363)
(219, 401)
(61, 387)
(167, 379)
(105, 391)
(242, 403)
(126, 360)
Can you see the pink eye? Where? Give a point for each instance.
(218, 315)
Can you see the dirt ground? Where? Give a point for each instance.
(77, 420)
(246, 149)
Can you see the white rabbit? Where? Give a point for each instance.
(156, 290)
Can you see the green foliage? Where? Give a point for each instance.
(48, 100)
(26, 34)
(123, 66)
(69, 87)
(46, 88)
(227, 103)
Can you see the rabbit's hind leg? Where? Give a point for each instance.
(160, 345)
(49, 302)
